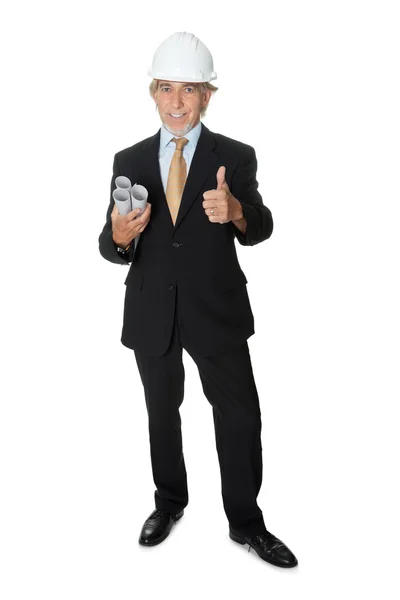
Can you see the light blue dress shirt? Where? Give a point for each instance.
(167, 149)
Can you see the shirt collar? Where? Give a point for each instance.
(166, 137)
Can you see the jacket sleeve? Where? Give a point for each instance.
(244, 187)
(107, 247)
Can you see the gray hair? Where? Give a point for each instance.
(203, 86)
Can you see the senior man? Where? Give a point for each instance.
(186, 289)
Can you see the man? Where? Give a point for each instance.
(185, 289)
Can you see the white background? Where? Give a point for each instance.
(314, 88)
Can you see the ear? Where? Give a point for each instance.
(206, 98)
(155, 95)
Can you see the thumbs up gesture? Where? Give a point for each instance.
(220, 205)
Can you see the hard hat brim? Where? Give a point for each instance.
(162, 76)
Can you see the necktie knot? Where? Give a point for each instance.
(180, 142)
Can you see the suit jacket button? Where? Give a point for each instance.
(175, 245)
(171, 287)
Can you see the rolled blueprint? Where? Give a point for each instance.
(122, 199)
(128, 198)
(139, 196)
(123, 183)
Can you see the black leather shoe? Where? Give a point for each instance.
(268, 547)
(157, 527)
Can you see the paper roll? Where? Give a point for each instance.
(122, 199)
(123, 183)
(139, 196)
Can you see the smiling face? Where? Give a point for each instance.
(179, 105)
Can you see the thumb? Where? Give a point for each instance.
(221, 178)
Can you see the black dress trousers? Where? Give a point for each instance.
(229, 386)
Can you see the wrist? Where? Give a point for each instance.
(238, 216)
(121, 247)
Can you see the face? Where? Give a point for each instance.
(183, 99)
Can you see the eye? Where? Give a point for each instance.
(164, 88)
(190, 88)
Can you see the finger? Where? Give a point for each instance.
(214, 203)
(145, 216)
(143, 225)
(147, 210)
(133, 214)
(211, 211)
(139, 221)
(210, 195)
(221, 178)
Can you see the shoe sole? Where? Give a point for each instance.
(242, 541)
(163, 538)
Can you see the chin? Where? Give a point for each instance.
(178, 132)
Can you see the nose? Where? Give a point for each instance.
(176, 99)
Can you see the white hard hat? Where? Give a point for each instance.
(182, 57)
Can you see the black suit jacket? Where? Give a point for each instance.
(195, 258)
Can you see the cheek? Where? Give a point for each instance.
(194, 107)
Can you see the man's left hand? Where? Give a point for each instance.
(225, 207)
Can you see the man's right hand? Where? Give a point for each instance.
(126, 228)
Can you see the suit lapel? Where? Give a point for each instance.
(203, 164)
(204, 161)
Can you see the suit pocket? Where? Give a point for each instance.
(229, 281)
(134, 280)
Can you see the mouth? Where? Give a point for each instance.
(177, 116)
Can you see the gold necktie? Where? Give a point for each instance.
(176, 178)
